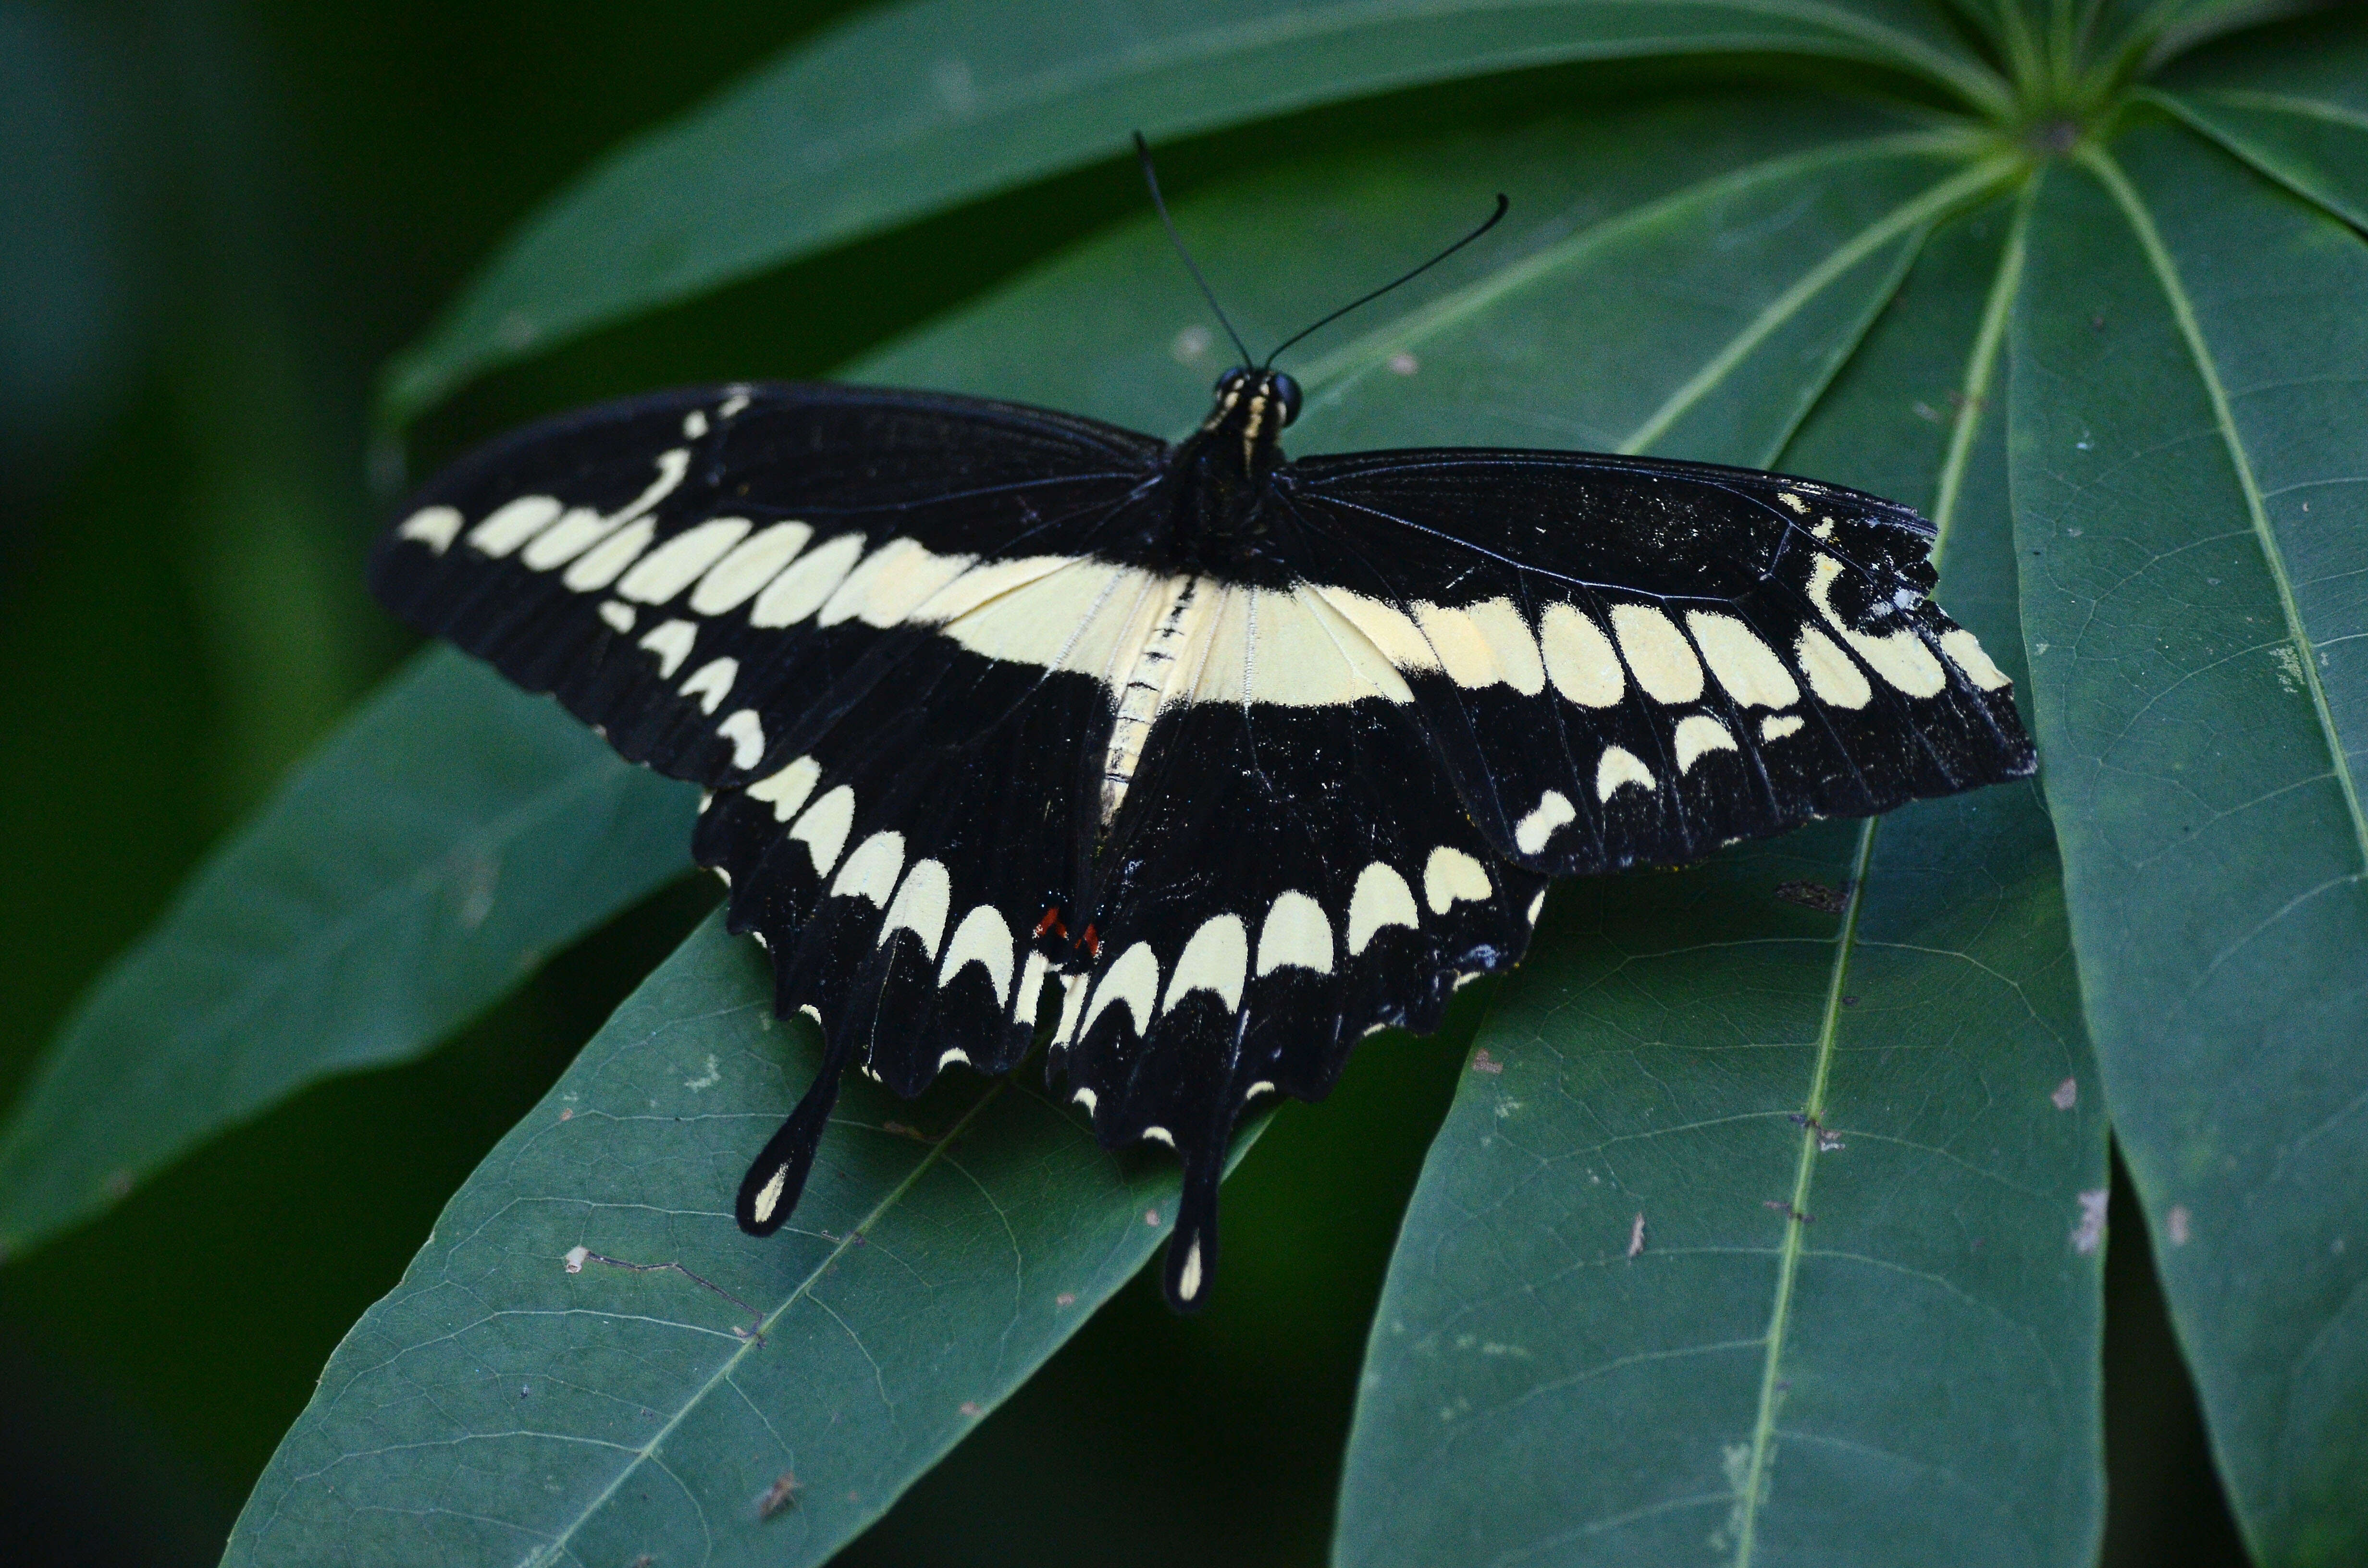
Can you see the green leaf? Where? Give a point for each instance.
(2294, 103)
(903, 113)
(2188, 407)
(1658, 184)
(1910, 1374)
(515, 1401)
(448, 838)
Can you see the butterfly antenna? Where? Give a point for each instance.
(1493, 219)
(1151, 178)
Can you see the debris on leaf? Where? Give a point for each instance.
(1636, 1235)
(2066, 1095)
(1826, 1141)
(2175, 1224)
(782, 1494)
(1483, 1063)
(1816, 895)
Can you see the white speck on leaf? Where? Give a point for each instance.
(1405, 364)
(1636, 1234)
(2289, 667)
(575, 1256)
(2174, 1224)
(1190, 344)
(712, 1076)
(956, 87)
(2089, 1233)
(2066, 1095)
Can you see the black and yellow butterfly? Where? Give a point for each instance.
(1237, 757)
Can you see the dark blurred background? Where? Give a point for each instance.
(216, 219)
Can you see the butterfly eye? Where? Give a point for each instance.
(1286, 393)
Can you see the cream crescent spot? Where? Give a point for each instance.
(1553, 813)
(1296, 934)
(1620, 769)
(711, 683)
(787, 791)
(1451, 875)
(1382, 898)
(1698, 733)
(1216, 961)
(920, 906)
(434, 527)
(870, 872)
(824, 827)
(984, 938)
(671, 642)
(745, 727)
(1132, 983)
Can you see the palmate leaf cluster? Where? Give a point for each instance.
(1766, 1224)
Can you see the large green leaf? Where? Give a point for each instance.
(1908, 1373)
(451, 835)
(899, 114)
(2189, 446)
(516, 1400)
(2294, 103)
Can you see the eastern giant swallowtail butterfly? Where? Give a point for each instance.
(1239, 757)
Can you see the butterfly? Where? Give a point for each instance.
(1228, 759)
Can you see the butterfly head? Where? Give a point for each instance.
(1251, 408)
(1270, 395)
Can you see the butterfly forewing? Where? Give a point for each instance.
(1624, 662)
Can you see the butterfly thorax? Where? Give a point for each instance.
(1218, 514)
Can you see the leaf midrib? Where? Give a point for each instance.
(2166, 270)
(1981, 367)
(1763, 1429)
